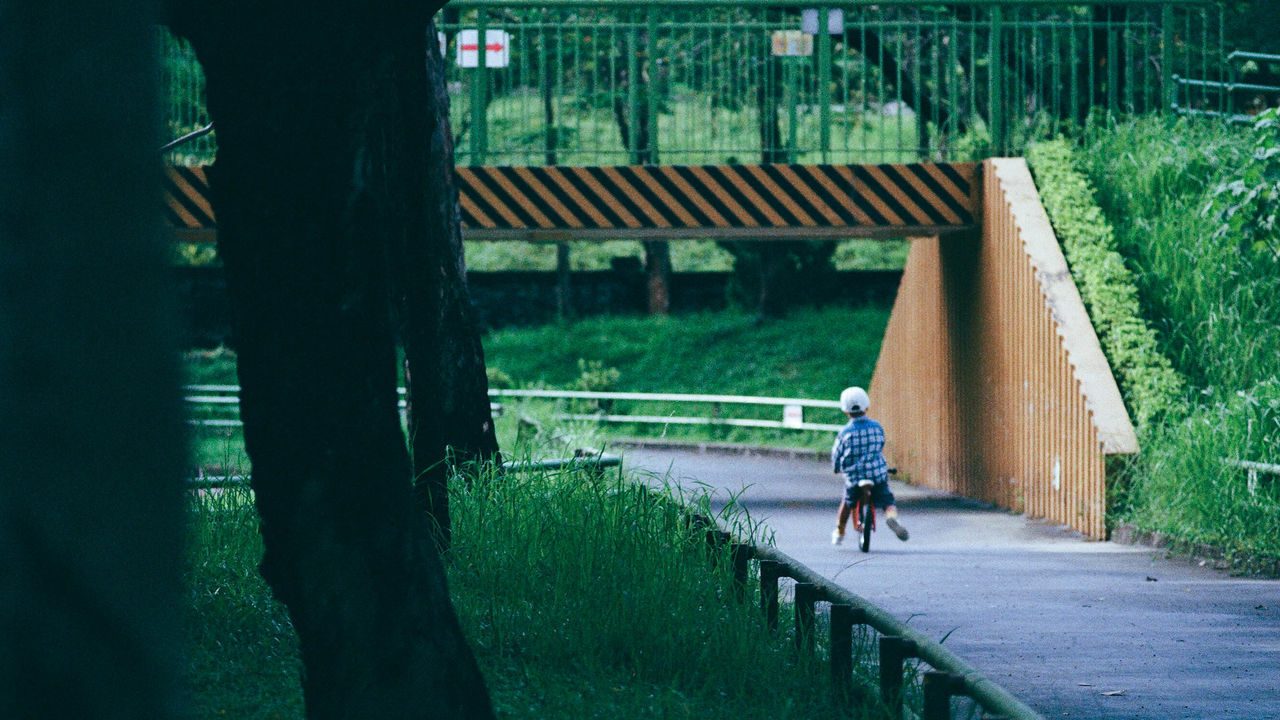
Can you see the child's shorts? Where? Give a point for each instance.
(881, 495)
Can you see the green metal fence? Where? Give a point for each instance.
(572, 82)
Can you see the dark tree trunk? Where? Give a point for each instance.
(91, 451)
(657, 262)
(450, 400)
(657, 253)
(332, 192)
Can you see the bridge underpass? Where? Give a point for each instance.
(999, 387)
(1055, 620)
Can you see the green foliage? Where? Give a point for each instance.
(1245, 207)
(595, 377)
(498, 380)
(686, 255)
(775, 276)
(1152, 389)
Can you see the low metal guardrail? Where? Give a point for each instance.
(793, 409)
(898, 643)
(1224, 92)
(1252, 470)
(595, 461)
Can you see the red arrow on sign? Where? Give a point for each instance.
(495, 47)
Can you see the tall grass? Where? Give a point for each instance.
(561, 576)
(583, 595)
(1217, 306)
(241, 651)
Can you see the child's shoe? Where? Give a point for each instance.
(837, 537)
(897, 528)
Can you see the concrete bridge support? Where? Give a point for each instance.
(991, 382)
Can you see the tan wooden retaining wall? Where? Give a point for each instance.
(991, 382)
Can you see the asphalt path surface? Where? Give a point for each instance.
(1071, 627)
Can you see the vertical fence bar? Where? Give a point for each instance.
(824, 83)
(1113, 75)
(633, 87)
(952, 72)
(995, 71)
(479, 94)
(548, 99)
(651, 86)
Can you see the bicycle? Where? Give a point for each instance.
(864, 513)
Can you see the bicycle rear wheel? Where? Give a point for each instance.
(867, 517)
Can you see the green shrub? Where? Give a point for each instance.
(1245, 207)
(1151, 388)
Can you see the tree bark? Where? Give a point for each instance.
(657, 253)
(330, 197)
(91, 452)
(451, 420)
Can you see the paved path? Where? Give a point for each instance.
(1055, 619)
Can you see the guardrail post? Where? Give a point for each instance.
(939, 687)
(770, 571)
(894, 651)
(843, 618)
(806, 596)
(741, 554)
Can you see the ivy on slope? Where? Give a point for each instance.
(1152, 389)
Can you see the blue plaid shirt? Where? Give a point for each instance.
(858, 451)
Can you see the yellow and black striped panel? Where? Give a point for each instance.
(186, 198)
(932, 195)
(718, 196)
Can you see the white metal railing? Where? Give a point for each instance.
(1252, 469)
(792, 409)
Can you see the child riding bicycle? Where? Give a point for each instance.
(858, 452)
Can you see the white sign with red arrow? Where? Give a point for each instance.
(497, 48)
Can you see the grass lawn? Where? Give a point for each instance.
(811, 353)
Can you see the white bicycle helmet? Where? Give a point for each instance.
(854, 400)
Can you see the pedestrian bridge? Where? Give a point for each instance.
(991, 378)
